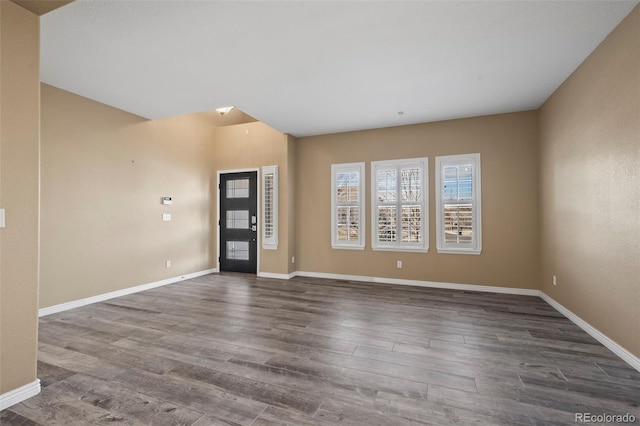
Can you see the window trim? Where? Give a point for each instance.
(358, 244)
(476, 200)
(423, 246)
(269, 243)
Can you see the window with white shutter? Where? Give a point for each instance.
(458, 204)
(347, 206)
(399, 209)
(270, 207)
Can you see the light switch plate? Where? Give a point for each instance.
(1, 218)
(166, 217)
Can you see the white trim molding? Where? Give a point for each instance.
(418, 283)
(106, 296)
(607, 342)
(276, 275)
(18, 395)
(626, 356)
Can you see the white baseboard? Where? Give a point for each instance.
(626, 356)
(106, 296)
(276, 276)
(18, 395)
(418, 283)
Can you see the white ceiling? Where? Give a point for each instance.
(313, 67)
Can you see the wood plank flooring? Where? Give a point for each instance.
(234, 349)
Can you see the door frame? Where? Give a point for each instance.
(258, 212)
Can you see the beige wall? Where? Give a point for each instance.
(253, 145)
(590, 188)
(508, 147)
(19, 194)
(104, 172)
(291, 193)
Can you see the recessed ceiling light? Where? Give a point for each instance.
(224, 110)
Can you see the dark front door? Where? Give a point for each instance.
(238, 222)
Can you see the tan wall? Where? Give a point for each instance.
(590, 188)
(253, 145)
(508, 147)
(104, 172)
(291, 193)
(19, 194)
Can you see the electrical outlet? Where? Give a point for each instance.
(555, 281)
(168, 264)
(293, 259)
(399, 264)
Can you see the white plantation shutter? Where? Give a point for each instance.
(399, 204)
(458, 208)
(347, 206)
(270, 207)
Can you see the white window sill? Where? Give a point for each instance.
(402, 249)
(347, 247)
(459, 251)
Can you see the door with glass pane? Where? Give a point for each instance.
(238, 222)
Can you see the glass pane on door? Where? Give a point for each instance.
(238, 188)
(238, 250)
(238, 219)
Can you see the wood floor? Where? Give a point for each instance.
(236, 349)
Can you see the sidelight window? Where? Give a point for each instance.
(270, 207)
